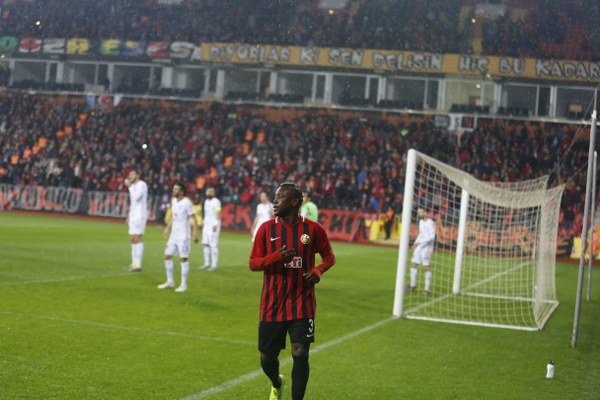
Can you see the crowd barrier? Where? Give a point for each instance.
(349, 226)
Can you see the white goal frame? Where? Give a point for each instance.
(539, 300)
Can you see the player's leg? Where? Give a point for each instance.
(214, 250)
(206, 244)
(414, 271)
(136, 231)
(170, 251)
(302, 334)
(271, 339)
(184, 253)
(139, 250)
(300, 370)
(427, 270)
(426, 267)
(185, 268)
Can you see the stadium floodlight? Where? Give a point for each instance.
(495, 249)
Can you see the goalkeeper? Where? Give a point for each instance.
(422, 251)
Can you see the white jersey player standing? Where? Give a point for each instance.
(182, 214)
(422, 251)
(211, 229)
(264, 212)
(136, 219)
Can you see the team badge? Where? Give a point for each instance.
(305, 239)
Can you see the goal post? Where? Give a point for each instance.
(494, 255)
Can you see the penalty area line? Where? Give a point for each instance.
(128, 328)
(251, 375)
(65, 279)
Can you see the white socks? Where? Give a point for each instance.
(211, 256)
(137, 252)
(413, 277)
(427, 280)
(414, 272)
(214, 255)
(185, 269)
(169, 270)
(206, 255)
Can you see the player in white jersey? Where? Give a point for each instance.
(264, 212)
(422, 251)
(182, 214)
(136, 219)
(211, 229)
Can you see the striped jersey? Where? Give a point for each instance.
(285, 294)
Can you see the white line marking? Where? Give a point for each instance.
(129, 328)
(65, 279)
(283, 362)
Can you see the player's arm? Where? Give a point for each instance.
(218, 219)
(418, 240)
(192, 217)
(327, 257)
(254, 224)
(261, 262)
(272, 261)
(429, 234)
(138, 191)
(199, 220)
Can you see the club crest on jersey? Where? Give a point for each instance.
(305, 239)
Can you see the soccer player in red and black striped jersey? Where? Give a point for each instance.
(284, 249)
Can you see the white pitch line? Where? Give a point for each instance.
(283, 362)
(129, 328)
(64, 279)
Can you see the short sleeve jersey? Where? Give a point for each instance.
(182, 211)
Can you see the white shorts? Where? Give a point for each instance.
(137, 226)
(210, 238)
(422, 255)
(179, 248)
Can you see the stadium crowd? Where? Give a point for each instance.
(516, 28)
(346, 160)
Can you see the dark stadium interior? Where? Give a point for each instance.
(436, 26)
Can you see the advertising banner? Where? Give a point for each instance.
(325, 57)
(348, 226)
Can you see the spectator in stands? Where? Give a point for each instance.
(182, 140)
(390, 214)
(562, 30)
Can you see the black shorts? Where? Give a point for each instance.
(271, 335)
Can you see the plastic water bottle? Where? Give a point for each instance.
(550, 370)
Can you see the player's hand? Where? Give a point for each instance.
(166, 233)
(214, 228)
(196, 239)
(313, 276)
(287, 254)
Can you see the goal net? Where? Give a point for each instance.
(494, 252)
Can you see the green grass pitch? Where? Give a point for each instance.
(75, 325)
